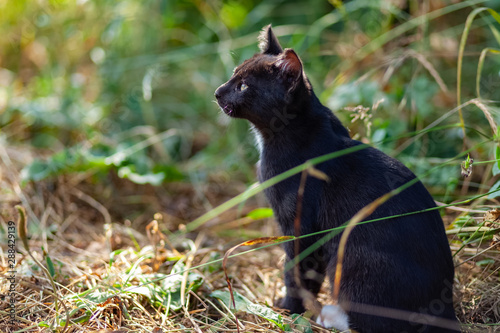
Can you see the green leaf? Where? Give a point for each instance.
(138, 169)
(496, 169)
(170, 171)
(464, 221)
(113, 255)
(99, 296)
(50, 266)
(245, 305)
(214, 266)
(379, 135)
(168, 289)
(485, 262)
(260, 213)
(156, 179)
(495, 191)
(35, 171)
(76, 159)
(144, 291)
(496, 166)
(301, 324)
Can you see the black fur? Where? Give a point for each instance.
(401, 263)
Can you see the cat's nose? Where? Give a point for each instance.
(217, 93)
(220, 91)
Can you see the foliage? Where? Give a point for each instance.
(85, 80)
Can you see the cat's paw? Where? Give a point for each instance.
(332, 316)
(294, 305)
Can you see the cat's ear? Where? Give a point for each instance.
(290, 66)
(268, 42)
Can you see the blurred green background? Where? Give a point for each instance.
(93, 87)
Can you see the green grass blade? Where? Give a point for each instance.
(480, 64)
(461, 50)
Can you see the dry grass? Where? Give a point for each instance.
(105, 248)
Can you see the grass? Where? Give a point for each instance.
(122, 276)
(134, 190)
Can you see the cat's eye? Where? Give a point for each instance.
(242, 86)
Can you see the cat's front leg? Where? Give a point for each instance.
(311, 272)
(292, 301)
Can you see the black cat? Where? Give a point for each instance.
(397, 273)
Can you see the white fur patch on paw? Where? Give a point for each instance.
(332, 316)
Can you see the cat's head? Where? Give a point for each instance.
(263, 84)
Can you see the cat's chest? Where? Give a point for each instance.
(268, 170)
(282, 195)
(278, 160)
